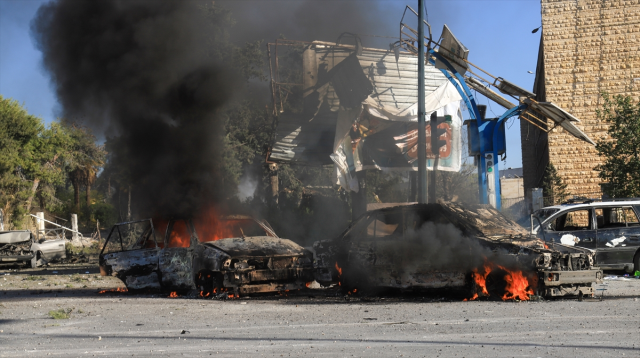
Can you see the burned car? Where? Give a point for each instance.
(473, 248)
(235, 254)
(21, 247)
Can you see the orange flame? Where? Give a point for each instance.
(475, 295)
(339, 274)
(308, 284)
(517, 284)
(119, 289)
(481, 278)
(173, 294)
(208, 227)
(180, 236)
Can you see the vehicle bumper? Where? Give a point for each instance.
(19, 258)
(561, 283)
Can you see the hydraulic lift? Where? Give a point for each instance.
(487, 140)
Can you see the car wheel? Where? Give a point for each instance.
(356, 279)
(636, 262)
(209, 283)
(35, 259)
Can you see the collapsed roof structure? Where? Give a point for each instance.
(365, 99)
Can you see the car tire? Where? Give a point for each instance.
(209, 283)
(356, 279)
(636, 262)
(35, 259)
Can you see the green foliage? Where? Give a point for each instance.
(248, 130)
(36, 161)
(33, 161)
(246, 61)
(620, 148)
(61, 313)
(104, 213)
(553, 188)
(385, 187)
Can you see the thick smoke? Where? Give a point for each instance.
(137, 70)
(314, 20)
(445, 247)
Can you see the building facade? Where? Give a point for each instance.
(587, 47)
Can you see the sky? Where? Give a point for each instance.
(496, 32)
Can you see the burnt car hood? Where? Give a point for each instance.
(257, 246)
(15, 236)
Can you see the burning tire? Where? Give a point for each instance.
(356, 279)
(209, 283)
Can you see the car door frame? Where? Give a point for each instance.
(618, 256)
(587, 238)
(137, 268)
(176, 263)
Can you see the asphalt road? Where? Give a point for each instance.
(312, 323)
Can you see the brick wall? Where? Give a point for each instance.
(589, 46)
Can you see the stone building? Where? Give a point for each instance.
(587, 47)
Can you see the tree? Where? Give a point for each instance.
(18, 130)
(85, 161)
(553, 188)
(32, 161)
(620, 147)
(458, 186)
(45, 164)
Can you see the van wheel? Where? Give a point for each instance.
(636, 262)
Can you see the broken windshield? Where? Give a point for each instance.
(544, 214)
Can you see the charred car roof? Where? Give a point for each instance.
(257, 246)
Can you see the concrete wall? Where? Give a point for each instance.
(512, 188)
(589, 46)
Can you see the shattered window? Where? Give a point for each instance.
(360, 228)
(573, 220)
(385, 225)
(543, 214)
(180, 236)
(413, 220)
(131, 236)
(630, 216)
(614, 217)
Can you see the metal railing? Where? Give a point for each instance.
(59, 231)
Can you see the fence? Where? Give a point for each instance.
(57, 231)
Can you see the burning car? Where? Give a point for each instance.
(20, 247)
(448, 246)
(235, 254)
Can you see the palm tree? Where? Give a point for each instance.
(86, 161)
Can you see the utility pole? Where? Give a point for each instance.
(422, 136)
(435, 150)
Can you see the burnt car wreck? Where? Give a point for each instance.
(447, 246)
(21, 247)
(241, 256)
(473, 248)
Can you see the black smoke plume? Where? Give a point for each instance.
(136, 70)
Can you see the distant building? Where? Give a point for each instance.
(587, 47)
(512, 183)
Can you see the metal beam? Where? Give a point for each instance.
(456, 79)
(422, 127)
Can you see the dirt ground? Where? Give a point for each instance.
(312, 323)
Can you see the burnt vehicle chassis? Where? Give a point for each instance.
(361, 261)
(240, 265)
(21, 247)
